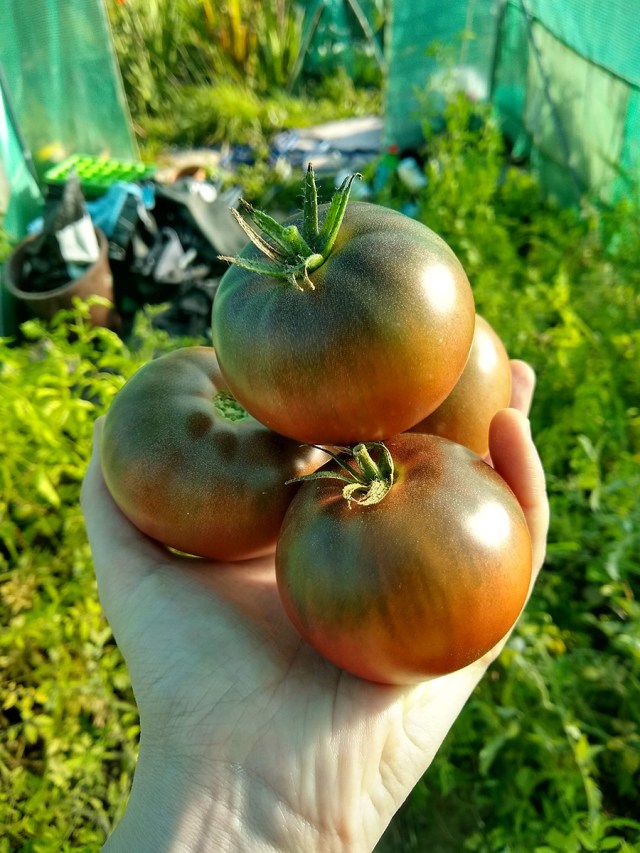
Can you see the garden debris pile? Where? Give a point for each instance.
(164, 243)
(166, 230)
(345, 145)
(164, 247)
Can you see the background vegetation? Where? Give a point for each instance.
(198, 72)
(545, 757)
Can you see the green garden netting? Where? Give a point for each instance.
(424, 46)
(20, 196)
(345, 33)
(563, 76)
(63, 81)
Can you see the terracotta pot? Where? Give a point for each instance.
(97, 281)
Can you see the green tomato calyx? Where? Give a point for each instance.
(229, 408)
(290, 254)
(367, 481)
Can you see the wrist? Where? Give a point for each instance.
(180, 806)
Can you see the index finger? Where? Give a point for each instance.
(517, 461)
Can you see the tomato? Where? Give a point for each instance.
(421, 583)
(357, 348)
(482, 390)
(190, 468)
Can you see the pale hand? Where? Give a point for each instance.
(249, 740)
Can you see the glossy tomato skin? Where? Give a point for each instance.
(373, 349)
(189, 477)
(482, 390)
(418, 585)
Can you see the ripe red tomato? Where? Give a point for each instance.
(190, 468)
(482, 390)
(369, 343)
(420, 584)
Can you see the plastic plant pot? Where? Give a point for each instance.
(96, 281)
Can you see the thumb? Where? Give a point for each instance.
(516, 459)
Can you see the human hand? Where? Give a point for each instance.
(249, 739)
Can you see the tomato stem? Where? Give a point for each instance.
(290, 254)
(364, 477)
(369, 468)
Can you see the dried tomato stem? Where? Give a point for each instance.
(370, 480)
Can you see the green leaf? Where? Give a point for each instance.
(310, 209)
(334, 216)
(46, 490)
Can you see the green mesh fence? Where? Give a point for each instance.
(563, 76)
(414, 29)
(20, 197)
(60, 94)
(345, 33)
(63, 80)
(573, 89)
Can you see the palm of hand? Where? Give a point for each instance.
(224, 679)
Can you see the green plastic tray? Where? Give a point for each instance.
(96, 174)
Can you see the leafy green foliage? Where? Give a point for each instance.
(197, 72)
(156, 50)
(232, 113)
(68, 723)
(546, 754)
(262, 42)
